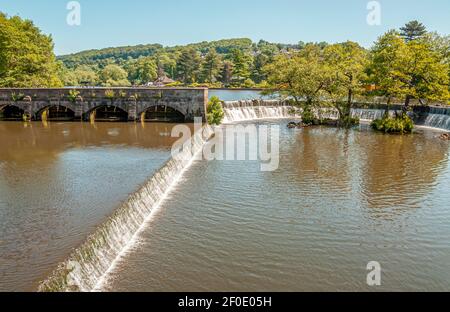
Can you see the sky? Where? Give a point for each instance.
(111, 23)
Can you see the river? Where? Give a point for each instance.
(338, 200)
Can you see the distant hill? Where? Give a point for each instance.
(125, 53)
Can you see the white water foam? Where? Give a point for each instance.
(238, 111)
(88, 266)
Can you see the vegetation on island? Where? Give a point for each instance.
(215, 113)
(408, 65)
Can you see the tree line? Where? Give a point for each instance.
(409, 63)
(223, 63)
(404, 64)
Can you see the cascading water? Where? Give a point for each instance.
(438, 117)
(437, 121)
(87, 265)
(236, 111)
(257, 109)
(369, 114)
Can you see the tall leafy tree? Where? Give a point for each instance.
(301, 76)
(241, 66)
(211, 66)
(413, 30)
(26, 55)
(227, 73)
(114, 76)
(142, 71)
(188, 65)
(82, 75)
(408, 70)
(346, 63)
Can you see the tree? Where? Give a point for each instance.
(166, 63)
(385, 69)
(227, 73)
(347, 63)
(82, 75)
(411, 70)
(114, 76)
(215, 112)
(261, 60)
(188, 65)
(241, 66)
(211, 66)
(26, 55)
(301, 76)
(413, 30)
(142, 71)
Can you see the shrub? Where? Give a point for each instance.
(110, 94)
(17, 97)
(348, 121)
(248, 83)
(73, 94)
(398, 124)
(215, 112)
(308, 117)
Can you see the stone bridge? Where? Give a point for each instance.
(126, 104)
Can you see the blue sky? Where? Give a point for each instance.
(108, 23)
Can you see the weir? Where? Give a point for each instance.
(85, 269)
(236, 111)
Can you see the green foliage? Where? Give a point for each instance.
(26, 55)
(142, 71)
(211, 67)
(308, 117)
(114, 76)
(104, 57)
(110, 94)
(413, 30)
(17, 97)
(73, 95)
(215, 112)
(348, 121)
(409, 70)
(345, 65)
(399, 124)
(301, 76)
(82, 75)
(241, 67)
(187, 65)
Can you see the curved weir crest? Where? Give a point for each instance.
(87, 267)
(258, 109)
(236, 111)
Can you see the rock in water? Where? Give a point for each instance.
(293, 125)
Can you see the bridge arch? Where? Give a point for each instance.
(106, 113)
(162, 113)
(55, 113)
(11, 112)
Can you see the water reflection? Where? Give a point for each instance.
(399, 171)
(58, 181)
(338, 200)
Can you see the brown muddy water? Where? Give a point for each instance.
(59, 181)
(339, 199)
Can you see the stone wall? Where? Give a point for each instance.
(191, 102)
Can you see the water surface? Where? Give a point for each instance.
(59, 181)
(340, 199)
